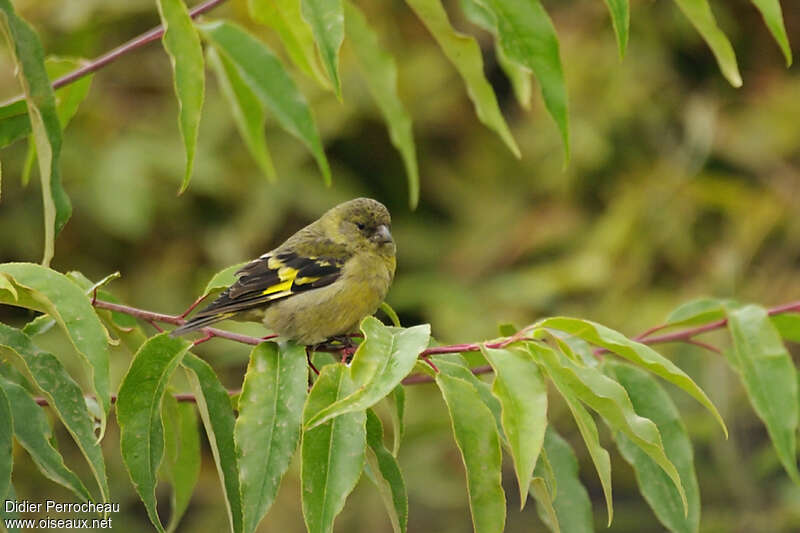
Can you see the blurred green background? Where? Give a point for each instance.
(679, 186)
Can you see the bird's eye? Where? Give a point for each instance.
(360, 226)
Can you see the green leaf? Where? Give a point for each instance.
(380, 363)
(621, 20)
(769, 377)
(380, 71)
(268, 79)
(651, 401)
(788, 325)
(390, 484)
(398, 401)
(268, 427)
(465, 54)
(53, 293)
(326, 19)
(611, 401)
(699, 14)
(139, 414)
(332, 453)
(63, 394)
(773, 17)
(14, 123)
(6, 442)
(588, 431)
(522, 392)
(457, 367)
(223, 279)
(544, 503)
(248, 113)
(33, 432)
(186, 55)
(528, 37)
(700, 311)
(635, 352)
(391, 314)
(478, 442)
(29, 58)
(68, 97)
(518, 75)
(216, 412)
(182, 458)
(572, 505)
(284, 17)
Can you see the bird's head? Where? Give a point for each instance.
(364, 224)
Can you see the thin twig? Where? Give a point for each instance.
(112, 55)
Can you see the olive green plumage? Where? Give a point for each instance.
(318, 284)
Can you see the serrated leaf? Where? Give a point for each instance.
(610, 400)
(528, 37)
(635, 352)
(588, 430)
(33, 432)
(182, 43)
(572, 505)
(478, 442)
(391, 485)
(651, 401)
(63, 394)
(326, 19)
(769, 377)
(465, 55)
(284, 17)
(699, 14)
(139, 414)
(248, 114)
(6, 442)
(267, 78)
(216, 411)
(53, 293)
(522, 392)
(380, 363)
(380, 72)
(268, 427)
(29, 58)
(332, 453)
(182, 458)
(788, 325)
(773, 17)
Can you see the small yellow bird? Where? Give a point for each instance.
(318, 284)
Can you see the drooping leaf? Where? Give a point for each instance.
(572, 505)
(33, 432)
(635, 352)
(522, 392)
(326, 19)
(651, 401)
(544, 504)
(380, 72)
(478, 442)
(63, 394)
(465, 54)
(268, 427)
(285, 17)
(380, 363)
(139, 414)
(53, 293)
(528, 37)
(621, 20)
(29, 57)
(391, 484)
(518, 75)
(182, 43)
(6, 442)
(610, 400)
(332, 453)
(248, 114)
(216, 411)
(398, 401)
(182, 457)
(773, 17)
(699, 14)
(769, 377)
(267, 78)
(457, 367)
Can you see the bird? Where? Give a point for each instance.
(319, 284)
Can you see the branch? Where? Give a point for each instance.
(112, 55)
(685, 335)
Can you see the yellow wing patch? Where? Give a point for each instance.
(279, 287)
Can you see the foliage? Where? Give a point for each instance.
(335, 430)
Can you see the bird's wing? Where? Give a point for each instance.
(271, 277)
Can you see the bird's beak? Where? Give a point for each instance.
(382, 234)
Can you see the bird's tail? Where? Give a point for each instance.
(199, 323)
